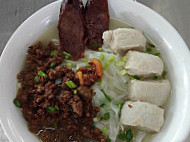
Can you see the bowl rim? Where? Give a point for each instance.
(185, 48)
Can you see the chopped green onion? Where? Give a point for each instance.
(53, 53)
(51, 109)
(157, 54)
(69, 64)
(71, 84)
(96, 119)
(122, 136)
(120, 63)
(164, 74)
(123, 72)
(52, 65)
(129, 135)
(155, 77)
(67, 55)
(150, 44)
(75, 91)
(111, 59)
(55, 124)
(108, 139)
(56, 107)
(36, 79)
(95, 46)
(106, 66)
(93, 126)
(85, 60)
(88, 66)
(106, 96)
(107, 116)
(77, 67)
(119, 106)
(124, 59)
(104, 129)
(149, 49)
(126, 136)
(136, 77)
(42, 74)
(16, 102)
(102, 105)
(102, 57)
(100, 49)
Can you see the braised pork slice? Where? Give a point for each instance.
(72, 28)
(97, 21)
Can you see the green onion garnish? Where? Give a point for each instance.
(104, 129)
(122, 136)
(148, 49)
(107, 116)
(136, 77)
(56, 107)
(71, 84)
(157, 54)
(95, 46)
(111, 59)
(42, 74)
(67, 55)
(123, 72)
(124, 59)
(106, 96)
(75, 91)
(102, 105)
(69, 64)
(102, 57)
(126, 136)
(36, 79)
(106, 66)
(53, 53)
(93, 126)
(155, 77)
(100, 49)
(85, 60)
(150, 44)
(164, 74)
(96, 120)
(16, 102)
(129, 135)
(88, 66)
(55, 124)
(119, 106)
(108, 139)
(120, 63)
(52, 65)
(51, 109)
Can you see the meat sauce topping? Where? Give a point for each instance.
(56, 101)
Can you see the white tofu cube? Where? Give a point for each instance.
(155, 92)
(144, 116)
(121, 40)
(143, 64)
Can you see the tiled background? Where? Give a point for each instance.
(14, 12)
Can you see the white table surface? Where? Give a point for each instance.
(14, 12)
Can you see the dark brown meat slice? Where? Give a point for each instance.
(97, 21)
(72, 28)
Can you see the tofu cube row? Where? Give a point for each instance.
(143, 110)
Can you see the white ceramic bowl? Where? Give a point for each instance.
(174, 50)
